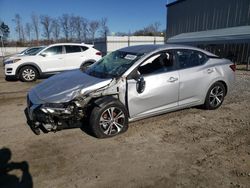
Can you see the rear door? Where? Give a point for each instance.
(195, 76)
(74, 57)
(161, 86)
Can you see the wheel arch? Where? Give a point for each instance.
(102, 101)
(216, 81)
(88, 61)
(28, 64)
(225, 85)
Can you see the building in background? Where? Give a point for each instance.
(112, 43)
(220, 26)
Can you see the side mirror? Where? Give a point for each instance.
(141, 84)
(42, 54)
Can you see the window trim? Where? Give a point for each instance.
(184, 49)
(42, 52)
(160, 52)
(65, 46)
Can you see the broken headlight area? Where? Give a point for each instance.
(52, 117)
(57, 108)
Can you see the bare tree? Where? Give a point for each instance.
(85, 28)
(28, 31)
(156, 27)
(77, 27)
(104, 29)
(73, 27)
(18, 22)
(150, 30)
(93, 27)
(22, 33)
(65, 24)
(46, 22)
(55, 29)
(35, 25)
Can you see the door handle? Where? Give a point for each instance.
(210, 71)
(172, 79)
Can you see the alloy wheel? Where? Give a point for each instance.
(216, 96)
(112, 121)
(28, 74)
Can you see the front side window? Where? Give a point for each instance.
(113, 65)
(55, 50)
(158, 63)
(72, 49)
(190, 58)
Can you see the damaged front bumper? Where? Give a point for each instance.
(48, 118)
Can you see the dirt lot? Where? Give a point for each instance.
(188, 148)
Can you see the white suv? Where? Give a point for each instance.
(50, 60)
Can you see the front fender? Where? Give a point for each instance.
(104, 100)
(28, 64)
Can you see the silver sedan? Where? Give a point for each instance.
(130, 84)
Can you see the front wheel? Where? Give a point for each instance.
(215, 96)
(109, 119)
(28, 74)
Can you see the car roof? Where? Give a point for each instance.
(78, 44)
(144, 49)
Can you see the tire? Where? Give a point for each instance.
(215, 96)
(85, 65)
(105, 120)
(28, 74)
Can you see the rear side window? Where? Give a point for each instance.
(190, 58)
(72, 49)
(84, 48)
(55, 50)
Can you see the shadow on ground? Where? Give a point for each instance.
(8, 180)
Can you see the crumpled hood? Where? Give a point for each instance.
(66, 86)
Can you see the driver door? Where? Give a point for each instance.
(161, 86)
(52, 59)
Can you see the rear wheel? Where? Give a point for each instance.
(215, 96)
(85, 65)
(28, 74)
(109, 119)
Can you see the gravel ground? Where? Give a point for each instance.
(187, 148)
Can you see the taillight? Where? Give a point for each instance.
(233, 67)
(98, 53)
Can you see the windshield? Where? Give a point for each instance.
(113, 64)
(22, 52)
(35, 51)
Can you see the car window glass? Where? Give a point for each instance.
(190, 58)
(72, 49)
(159, 63)
(32, 50)
(55, 50)
(84, 48)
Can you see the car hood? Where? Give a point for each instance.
(21, 57)
(66, 86)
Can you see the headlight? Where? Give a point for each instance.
(55, 108)
(11, 61)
